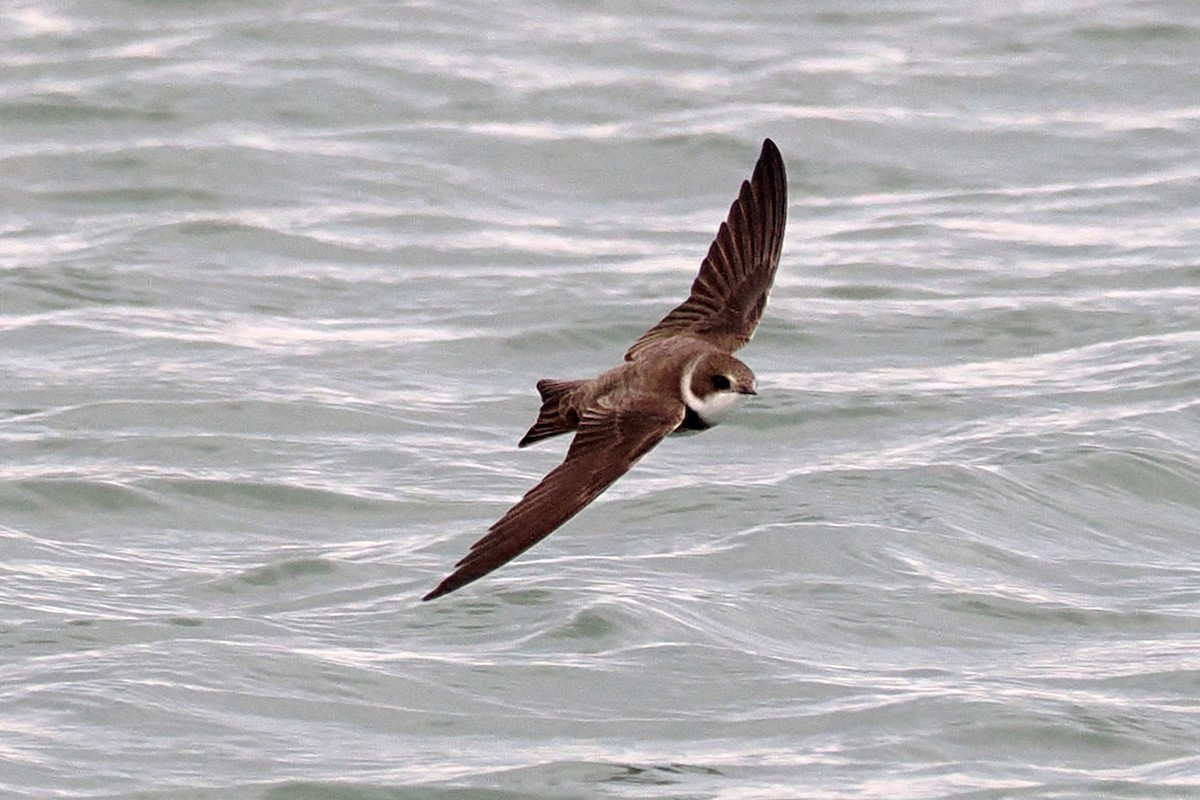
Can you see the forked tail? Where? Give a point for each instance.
(555, 416)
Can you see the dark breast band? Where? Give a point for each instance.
(692, 421)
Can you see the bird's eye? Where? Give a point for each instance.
(720, 383)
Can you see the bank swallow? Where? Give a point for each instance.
(680, 376)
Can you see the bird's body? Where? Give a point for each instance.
(666, 369)
(680, 376)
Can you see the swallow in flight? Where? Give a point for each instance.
(679, 377)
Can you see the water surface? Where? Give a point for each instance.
(276, 283)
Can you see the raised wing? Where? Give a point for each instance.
(730, 293)
(609, 441)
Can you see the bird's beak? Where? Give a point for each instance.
(747, 390)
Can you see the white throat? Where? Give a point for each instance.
(712, 408)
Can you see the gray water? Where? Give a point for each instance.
(276, 282)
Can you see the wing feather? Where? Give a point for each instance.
(728, 296)
(609, 441)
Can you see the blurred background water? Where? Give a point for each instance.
(276, 282)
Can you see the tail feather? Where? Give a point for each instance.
(554, 417)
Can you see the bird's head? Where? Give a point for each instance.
(715, 384)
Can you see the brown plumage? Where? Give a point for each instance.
(679, 376)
